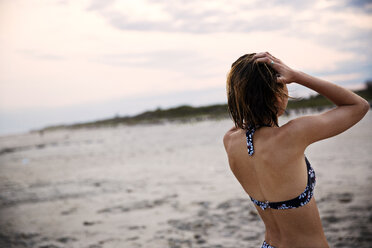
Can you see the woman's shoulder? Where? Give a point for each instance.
(273, 142)
(235, 145)
(229, 135)
(234, 136)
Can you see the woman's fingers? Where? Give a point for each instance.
(263, 60)
(259, 55)
(276, 64)
(266, 55)
(268, 61)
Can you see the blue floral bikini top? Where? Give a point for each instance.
(296, 202)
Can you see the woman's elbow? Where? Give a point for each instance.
(364, 107)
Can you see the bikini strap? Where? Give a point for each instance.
(249, 135)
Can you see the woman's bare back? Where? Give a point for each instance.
(275, 173)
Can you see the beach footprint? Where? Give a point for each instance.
(345, 197)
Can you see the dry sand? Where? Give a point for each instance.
(163, 186)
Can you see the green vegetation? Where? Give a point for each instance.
(319, 101)
(187, 113)
(183, 113)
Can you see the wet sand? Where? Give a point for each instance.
(157, 186)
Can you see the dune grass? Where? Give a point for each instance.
(186, 113)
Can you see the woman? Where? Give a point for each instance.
(269, 160)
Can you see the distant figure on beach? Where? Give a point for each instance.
(267, 159)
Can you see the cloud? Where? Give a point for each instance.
(365, 5)
(154, 58)
(63, 2)
(346, 77)
(99, 4)
(190, 16)
(218, 16)
(335, 23)
(187, 62)
(343, 25)
(35, 54)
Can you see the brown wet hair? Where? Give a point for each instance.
(252, 91)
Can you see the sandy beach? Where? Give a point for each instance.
(158, 186)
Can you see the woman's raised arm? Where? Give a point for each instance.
(350, 108)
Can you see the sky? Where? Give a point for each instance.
(64, 61)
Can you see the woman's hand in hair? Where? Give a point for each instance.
(286, 75)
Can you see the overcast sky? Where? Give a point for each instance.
(64, 61)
